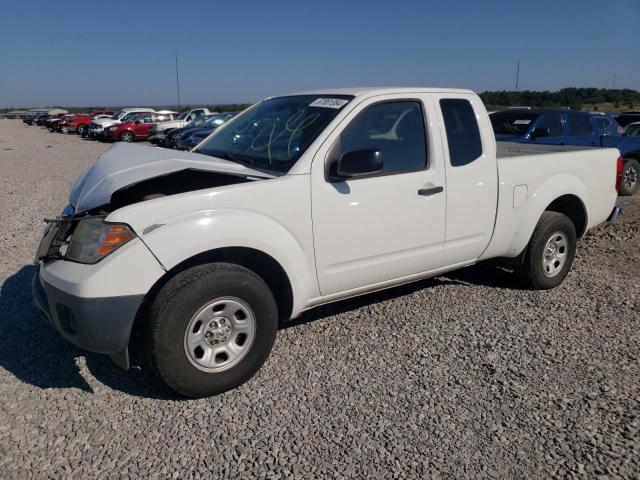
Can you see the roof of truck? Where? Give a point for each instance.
(370, 91)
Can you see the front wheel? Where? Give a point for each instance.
(126, 137)
(550, 251)
(82, 130)
(630, 173)
(210, 329)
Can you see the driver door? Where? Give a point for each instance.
(371, 231)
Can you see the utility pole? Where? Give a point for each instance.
(613, 86)
(177, 78)
(517, 74)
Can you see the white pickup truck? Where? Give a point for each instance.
(302, 200)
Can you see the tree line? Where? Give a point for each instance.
(574, 98)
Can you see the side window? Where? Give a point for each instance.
(396, 129)
(579, 125)
(463, 134)
(146, 119)
(552, 122)
(603, 124)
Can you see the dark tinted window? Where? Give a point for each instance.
(579, 125)
(394, 128)
(552, 122)
(463, 135)
(603, 123)
(512, 123)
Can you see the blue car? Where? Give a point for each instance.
(190, 138)
(569, 127)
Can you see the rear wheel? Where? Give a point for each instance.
(630, 174)
(126, 137)
(210, 329)
(550, 251)
(64, 129)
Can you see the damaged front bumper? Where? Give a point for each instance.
(94, 306)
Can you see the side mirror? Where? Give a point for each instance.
(540, 133)
(357, 163)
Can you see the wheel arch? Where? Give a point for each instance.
(573, 207)
(261, 263)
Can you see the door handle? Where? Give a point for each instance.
(430, 191)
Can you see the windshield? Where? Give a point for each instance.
(275, 133)
(512, 123)
(183, 115)
(118, 115)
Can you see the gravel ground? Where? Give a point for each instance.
(463, 376)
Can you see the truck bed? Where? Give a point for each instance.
(512, 149)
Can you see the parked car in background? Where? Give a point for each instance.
(57, 124)
(137, 128)
(97, 126)
(81, 122)
(41, 121)
(192, 137)
(29, 119)
(212, 249)
(67, 123)
(632, 130)
(567, 127)
(160, 131)
(625, 118)
(170, 138)
(51, 120)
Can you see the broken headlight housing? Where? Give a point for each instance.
(93, 239)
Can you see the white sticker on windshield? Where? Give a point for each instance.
(329, 102)
(522, 122)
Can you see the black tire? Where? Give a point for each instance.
(630, 176)
(176, 305)
(83, 131)
(127, 136)
(551, 226)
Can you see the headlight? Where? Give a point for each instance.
(93, 239)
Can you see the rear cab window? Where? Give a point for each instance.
(463, 134)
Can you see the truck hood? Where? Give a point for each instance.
(126, 164)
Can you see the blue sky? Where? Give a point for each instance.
(119, 52)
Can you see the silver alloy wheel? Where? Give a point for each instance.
(554, 254)
(220, 334)
(126, 136)
(630, 177)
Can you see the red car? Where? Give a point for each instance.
(138, 128)
(80, 122)
(74, 122)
